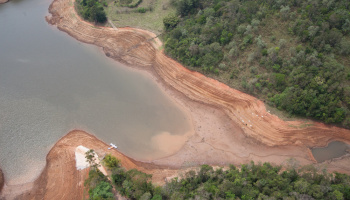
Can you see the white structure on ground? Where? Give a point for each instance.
(112, 146)
(80, 159)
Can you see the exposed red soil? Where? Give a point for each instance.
(61, 180)
(132, 47)
(2, 181)
(229, 126)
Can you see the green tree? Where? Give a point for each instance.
(91, 159)
(184, 7)
(170, 22)
(92, 10)
(102, 191)
(111, 162)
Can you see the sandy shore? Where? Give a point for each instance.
(3, 1)
(229, 126)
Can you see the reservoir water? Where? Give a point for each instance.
(50, 84)
(334, 149)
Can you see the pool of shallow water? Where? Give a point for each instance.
(334, 149)
(50, 84)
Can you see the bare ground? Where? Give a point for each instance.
(134, 47)
(60, 178)
(2, 181)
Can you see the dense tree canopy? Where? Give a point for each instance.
(91, 10)
(170, 22)
(295, 54)
(250, 181)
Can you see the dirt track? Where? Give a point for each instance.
(230, 126)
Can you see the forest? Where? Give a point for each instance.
(249, 181)
(294, 54)
(91, 10)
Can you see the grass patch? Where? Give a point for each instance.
(303, 125)
(147, 15)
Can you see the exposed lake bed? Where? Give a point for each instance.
(219, 138)
(51, 84)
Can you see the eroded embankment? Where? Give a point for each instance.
(134, 47)
(61, 180)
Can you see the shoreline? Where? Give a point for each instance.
(131, 47)
(2, 181)
(220, 136)
(270, 138)
(61, 180)
(178, 99)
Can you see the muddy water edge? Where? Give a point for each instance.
(50, 84)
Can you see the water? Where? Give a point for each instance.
(50, 84)
(334, 149)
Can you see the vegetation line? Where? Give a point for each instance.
(251, 181)
(294, 54)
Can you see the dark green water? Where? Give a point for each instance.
(50, 84)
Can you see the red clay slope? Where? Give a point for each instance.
(133, 47)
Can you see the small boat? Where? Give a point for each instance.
(113, 146)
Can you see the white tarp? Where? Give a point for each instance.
(80, 159)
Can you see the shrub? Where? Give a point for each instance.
(170, 22)
(222, 66)
(111, 161)
(345, 47)
(282, 43)
(92, 10)
(141, 10)
(216, 71)
(130, 3)
(272, 38)
(102, 191)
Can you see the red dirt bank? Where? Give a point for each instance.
(230, 126)
(2, 181)
(131, 46)
(61, 180)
